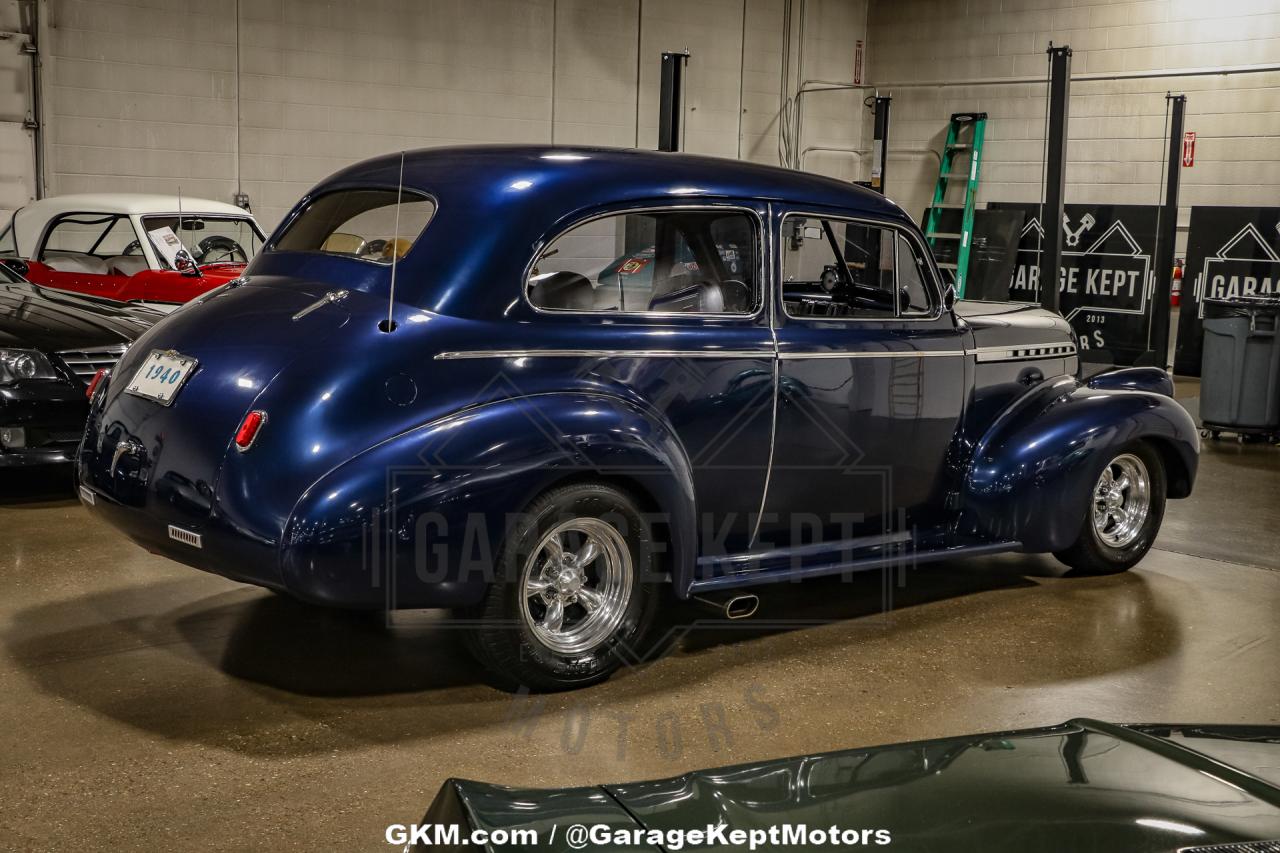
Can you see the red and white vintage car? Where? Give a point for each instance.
(156, 249)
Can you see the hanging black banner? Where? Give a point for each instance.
(1232, 253)
(1105, 281)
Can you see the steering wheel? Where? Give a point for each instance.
(220, 248)
(134, 248)
(741, 298)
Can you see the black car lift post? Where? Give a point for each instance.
(671, 104)
(1166, 234)
(880, 143)
(1055, 175)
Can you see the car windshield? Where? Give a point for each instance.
(8, 241)
(372, 225)
(209, 239)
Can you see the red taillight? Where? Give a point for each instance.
(96, 381)
(249, 428)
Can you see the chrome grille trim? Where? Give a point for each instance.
(1024, 352)
(86, 362)
(1236, 847)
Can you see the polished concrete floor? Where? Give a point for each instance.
(147, 706)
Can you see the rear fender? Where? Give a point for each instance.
(418, 520)
(1031, 474)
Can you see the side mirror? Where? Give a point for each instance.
(949, 297)
(17, 265)
(184, 264)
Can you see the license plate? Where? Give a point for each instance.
(161, 376)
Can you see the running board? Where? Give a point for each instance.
(877, 560)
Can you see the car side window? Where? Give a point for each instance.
(686, 261)
(839, 268)
(91, 234)
(911, 279)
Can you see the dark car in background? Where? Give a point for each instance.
(1085, 785)
(52, 344)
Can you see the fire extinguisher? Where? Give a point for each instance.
(1175, 292)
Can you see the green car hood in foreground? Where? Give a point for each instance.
(1081, 786)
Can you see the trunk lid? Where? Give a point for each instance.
(166, 459)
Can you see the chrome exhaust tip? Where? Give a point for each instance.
(737, 606)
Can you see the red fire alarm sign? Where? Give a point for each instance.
(1189, 148)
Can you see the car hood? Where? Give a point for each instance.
(41, 318)
(1084, 784)
(1012, 324)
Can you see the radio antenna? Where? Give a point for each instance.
(389, 325)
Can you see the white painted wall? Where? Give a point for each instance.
(1117, 129)
(273, 95)
(17, 149)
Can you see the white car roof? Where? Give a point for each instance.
(31, 219)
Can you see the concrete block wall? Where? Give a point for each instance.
(1117, 128)
(141, 97)
(272, 95)
(17, 151)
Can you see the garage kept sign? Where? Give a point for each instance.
(1233, 253)
(1105, 282)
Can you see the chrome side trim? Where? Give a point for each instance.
(1024, 352)
(602, 353)
(796, 356)
(769, 255)
(983, 354)
(773, 442)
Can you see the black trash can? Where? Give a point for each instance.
(1240, 370)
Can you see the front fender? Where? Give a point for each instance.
(417, 521)
(1030, 476)
(1151, 379)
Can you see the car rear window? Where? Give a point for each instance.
(371, 225)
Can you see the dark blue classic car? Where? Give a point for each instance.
(488, 412)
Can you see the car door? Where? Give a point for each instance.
(870, 384)
(667, 305)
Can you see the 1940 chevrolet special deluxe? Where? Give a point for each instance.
(564, 383)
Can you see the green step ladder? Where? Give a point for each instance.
(961, 161)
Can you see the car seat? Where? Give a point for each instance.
(126, 264)
(701, 297)
(562, 291)
(80, 262)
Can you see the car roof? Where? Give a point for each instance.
(130, 203)
(29, 220)
(576, 177)
(495, 204)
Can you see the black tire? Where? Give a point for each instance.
(506, 637)
(1092, 554)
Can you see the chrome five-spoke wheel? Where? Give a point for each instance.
(1121, 501)
(576, 585)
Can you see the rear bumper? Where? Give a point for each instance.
(220, 551)
(52, 414)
